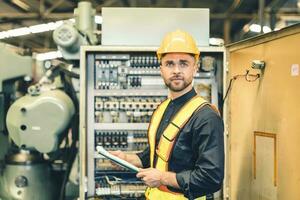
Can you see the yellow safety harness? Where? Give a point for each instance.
(166, 143)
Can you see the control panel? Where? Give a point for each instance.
(137, 109)
(121, 87)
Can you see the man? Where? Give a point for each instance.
(185, 156)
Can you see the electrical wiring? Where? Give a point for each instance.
(69, 89)
(248, 77)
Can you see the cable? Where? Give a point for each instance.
(85, 36)
(248, 77)
(229, 88)
(68, 72)
(69, 89)
(70, 161)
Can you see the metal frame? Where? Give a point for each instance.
(85, 127)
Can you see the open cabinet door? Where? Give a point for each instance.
(262, 117)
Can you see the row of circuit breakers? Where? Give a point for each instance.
(124, 72)
(125, 89)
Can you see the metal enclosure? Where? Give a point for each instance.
(28, 181)
(13, 65)
(146, 26)
(120, 88)
(24, 113)
(263, 118)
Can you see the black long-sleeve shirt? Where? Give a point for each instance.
(198, 155)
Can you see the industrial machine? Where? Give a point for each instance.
(13, 69)
(70, 36)
(39, 161)
(39, 131)
(37, 124)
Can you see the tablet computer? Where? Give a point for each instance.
(116, 159)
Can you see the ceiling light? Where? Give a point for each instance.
(21, 4)
(216, 41)
(266, 29)
(4, 34)
(55, 25)
(48, 56)
(255, 28)
(18, 32)
(39, 28)
(277, 29)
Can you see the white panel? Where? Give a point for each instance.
(152, 81)
(121, 126)
(147, 26)
(263, 185)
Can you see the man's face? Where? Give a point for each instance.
(178, 70)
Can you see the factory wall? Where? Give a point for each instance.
(263, 118)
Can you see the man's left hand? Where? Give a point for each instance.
(151, 177)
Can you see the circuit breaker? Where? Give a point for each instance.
(120, 89)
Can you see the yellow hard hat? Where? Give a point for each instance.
(178, 42)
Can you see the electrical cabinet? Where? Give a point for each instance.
(120, 89)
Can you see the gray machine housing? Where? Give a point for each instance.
(26, 127)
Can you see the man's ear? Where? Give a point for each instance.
(195, 67)
(160, 70)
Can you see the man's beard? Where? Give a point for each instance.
(177, 87)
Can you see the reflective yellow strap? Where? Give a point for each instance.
(166, 142)
(161, 164)
(188, 109)
(154, 123)
(167, 139)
